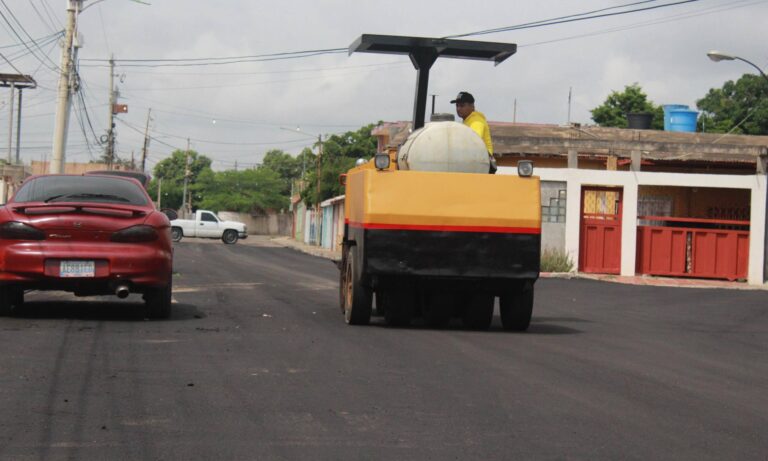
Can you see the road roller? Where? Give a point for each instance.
(429, 234)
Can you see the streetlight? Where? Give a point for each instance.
(717, 56)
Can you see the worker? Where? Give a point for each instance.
(465, 108)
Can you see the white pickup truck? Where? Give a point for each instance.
(207, 225)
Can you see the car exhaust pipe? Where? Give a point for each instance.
(122, 291)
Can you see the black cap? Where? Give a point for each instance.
(463, 96)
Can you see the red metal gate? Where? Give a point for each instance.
(600, 237)
(688, 247)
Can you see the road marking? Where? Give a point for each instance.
(234, 286)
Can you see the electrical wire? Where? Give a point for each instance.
(569, 19)
(50, 25)
(55, 66)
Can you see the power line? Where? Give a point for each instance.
(51, 26)
(55, 66)
(573, 18)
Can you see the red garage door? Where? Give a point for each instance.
(600, 237)
(688, 247)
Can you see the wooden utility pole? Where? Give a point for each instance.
(63, 101)
(110, 150)
(146, 142)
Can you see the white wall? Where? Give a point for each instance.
(630, 181)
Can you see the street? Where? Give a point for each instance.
(256, 362)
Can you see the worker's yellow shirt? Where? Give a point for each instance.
(476, 121)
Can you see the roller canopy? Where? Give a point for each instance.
(424, 51)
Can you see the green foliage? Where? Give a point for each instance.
(171, 171)
(744, 101)
(286, 167)
(555, 260)
(245, 191)
(613, 112)
(339, 155)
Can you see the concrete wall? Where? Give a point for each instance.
(553, 206)
(271, 224)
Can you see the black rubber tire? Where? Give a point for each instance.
(516, 309)
(6, 302)
(438, 308)
(398, 305)
(358, 300)
(176, 234)
(478, 311)
(229, 237)
(158, 301)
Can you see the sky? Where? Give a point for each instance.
(234, 113)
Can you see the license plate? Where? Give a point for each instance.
(77, 269)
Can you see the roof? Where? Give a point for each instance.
(556, 141)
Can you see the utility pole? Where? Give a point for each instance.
(159, 191)
(10, 123)
(319, 171)
(433, 103)
(63, 101)
(18, 131)
(110, 149)
(570, 89)
(146, 142)
(514, 112)
(184, 202)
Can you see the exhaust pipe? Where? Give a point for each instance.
(122, 291)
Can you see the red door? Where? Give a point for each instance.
(600, 238)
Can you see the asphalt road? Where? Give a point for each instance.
(257, 363)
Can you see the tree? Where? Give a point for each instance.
(286, 167)
(741, 106)
(339, 155)
(613, 112)
(258, 189)
(171, 170)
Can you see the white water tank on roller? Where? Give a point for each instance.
(444, 146)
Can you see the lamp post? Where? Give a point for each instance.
(717, 56)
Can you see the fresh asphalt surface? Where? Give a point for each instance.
(257, 363)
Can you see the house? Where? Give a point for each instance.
(641, 201)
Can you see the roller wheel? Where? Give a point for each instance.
(437, 309)
(398, 305)
(478, 311)
(516, 309)
(358, 299)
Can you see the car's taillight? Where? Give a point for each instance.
(15, 230)
(135, 234)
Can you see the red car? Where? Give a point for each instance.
(90, 235)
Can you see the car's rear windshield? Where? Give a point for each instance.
(95, 189)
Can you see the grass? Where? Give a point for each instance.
(555, 260)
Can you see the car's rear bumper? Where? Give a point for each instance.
(36, 264)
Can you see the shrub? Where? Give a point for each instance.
(555, 260)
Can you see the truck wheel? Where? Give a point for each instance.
(478, 311)
(437, 309)
(176, 234)
(229, 237)
(158, 301)
(398, 305)
(516, 309)
(358, 299)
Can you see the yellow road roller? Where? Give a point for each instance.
(428, 232)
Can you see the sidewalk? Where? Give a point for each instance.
(630, 280)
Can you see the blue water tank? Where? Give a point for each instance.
(683, 120)
(668, 108)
